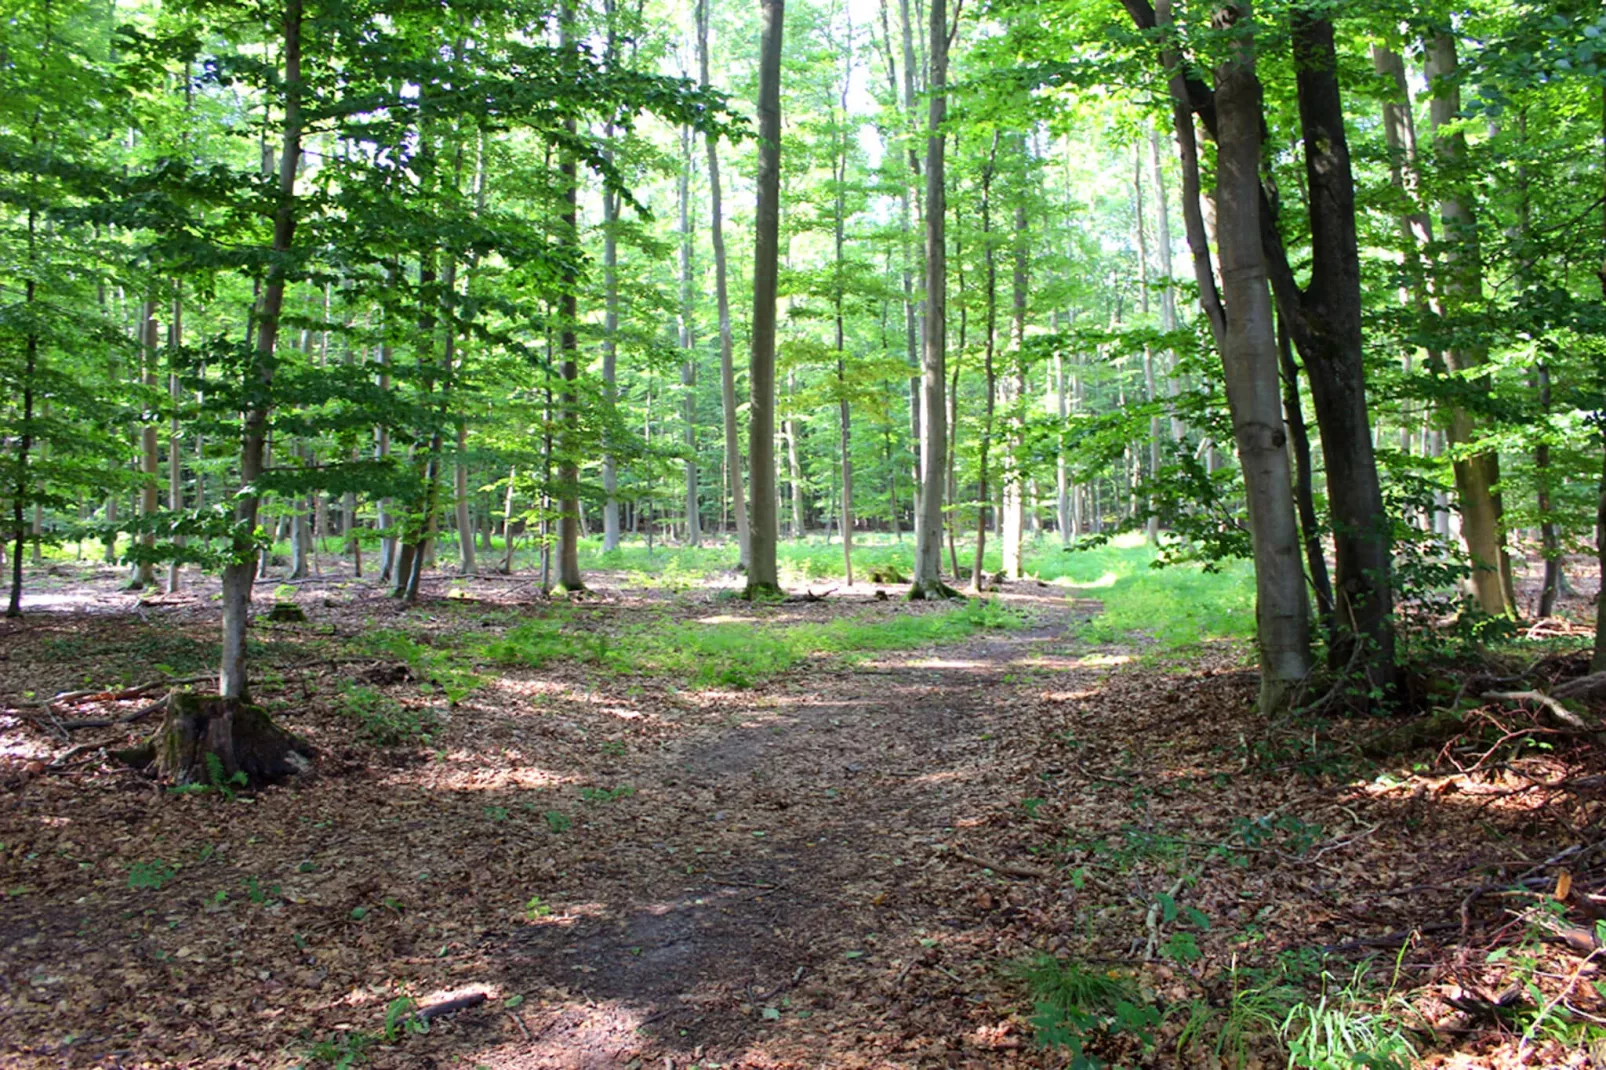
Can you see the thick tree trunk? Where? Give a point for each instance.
(763, 576)
(933, 415)
(1249, 359)
(1328, 314)
(211, 741)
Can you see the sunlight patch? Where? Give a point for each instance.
(1109, 579)
(1098, 661)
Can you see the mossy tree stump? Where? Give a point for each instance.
(206, 739)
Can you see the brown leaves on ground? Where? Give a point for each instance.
(839, 868)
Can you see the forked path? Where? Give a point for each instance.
(786, 891)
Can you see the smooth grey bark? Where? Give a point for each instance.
(175, 451)
(1152, 526)
(763, 574)
(1168, 297)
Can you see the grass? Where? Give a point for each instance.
(723, 652)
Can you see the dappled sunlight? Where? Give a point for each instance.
(1107, 580)
(1102, 661)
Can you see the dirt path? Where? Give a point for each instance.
(789, 909)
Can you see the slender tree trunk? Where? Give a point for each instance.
(1062, 480)
(1477, 471)
(933, 417)
(688, 344)
(727, 367)
(1597, 661)
(762, 577)
(150, 488)
(978, 580)
(1151, 526)
(240, 573)
(1304, 497)
(1168, 297)
(1014, 558)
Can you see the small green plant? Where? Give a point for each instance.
(383, 719)
(1074, 1005)
(215, 780)
(613, 747)
(401, 1019)
(534, 908)
(342, 1050)
(150, 875)
(497, 814)
(1343, 1030)
(557, 820)
(258, 894)
(606, 795)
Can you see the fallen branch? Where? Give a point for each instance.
(450, 1006)
(1555, 709)
(1013, 869)
(74, 698)
(127, 718)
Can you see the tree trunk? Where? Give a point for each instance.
(688, 344)
(1249, 359)
(215, 742)
(569, 578)
(1014, 559)
(240, 573)
(933, 417)
(727, 367)
(763, 576)
(1151, 526)
(1304, 498)
(1477, 471)
(1062, 480)
(1328, 314)
(149, 489)
(978, 570)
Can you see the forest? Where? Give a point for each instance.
(850, 533)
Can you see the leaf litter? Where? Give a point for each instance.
(852, 863)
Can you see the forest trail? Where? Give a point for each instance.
(769, 915)
(844, 863)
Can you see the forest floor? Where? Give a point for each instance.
(660, 828)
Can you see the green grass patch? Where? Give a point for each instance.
(735, 653)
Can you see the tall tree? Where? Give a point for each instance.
(927, 582)
(763, 575)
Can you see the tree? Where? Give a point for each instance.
(763, 576)
(927, 581)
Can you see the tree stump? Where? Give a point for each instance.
(205, 739)
(287, 613)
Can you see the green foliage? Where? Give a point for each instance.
(385, 720)
(1075, 1006)
(152, 875)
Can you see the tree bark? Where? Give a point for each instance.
(1477, 470)
(688, 345)
(569, 577)
(933, 417)
(727, 367)
(763, 576)
(1328, 313)
(1014, 558)
(1249, 359)
(149, 488)
(240, 573)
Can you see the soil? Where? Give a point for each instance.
(843, 867)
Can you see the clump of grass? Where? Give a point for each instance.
(383, 719)
(1075, 1005)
